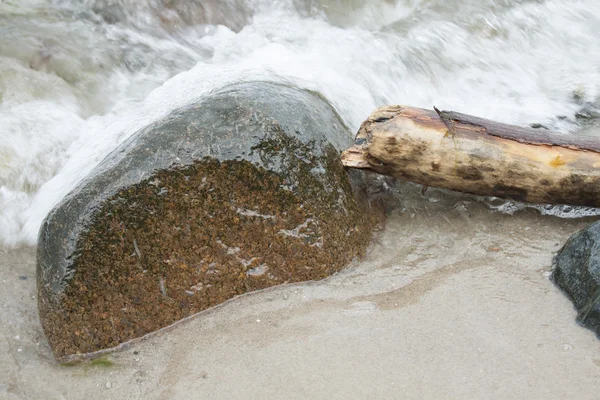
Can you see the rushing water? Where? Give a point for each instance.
(78, 77)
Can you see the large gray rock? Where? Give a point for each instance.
(577, 274)
(240, 191)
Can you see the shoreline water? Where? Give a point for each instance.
(73, 85)
(454, 299)
(450, 303)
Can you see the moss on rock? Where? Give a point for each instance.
(241, 191)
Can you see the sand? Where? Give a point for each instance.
(451, 302)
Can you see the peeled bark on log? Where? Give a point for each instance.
(474, 155)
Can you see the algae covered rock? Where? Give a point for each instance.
(577, 274)
(240, 191)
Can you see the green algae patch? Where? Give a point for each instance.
(269, 203)
(102, 362)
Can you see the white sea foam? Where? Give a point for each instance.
(517, 62)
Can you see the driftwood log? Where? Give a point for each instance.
(474, 155)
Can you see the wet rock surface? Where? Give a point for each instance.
(577, 274)
(173, 14)
(589, 118)
(240, 191)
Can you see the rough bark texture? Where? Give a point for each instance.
(241, 191)
(459, 152)
(577, 273)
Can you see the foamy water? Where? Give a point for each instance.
(77, 78)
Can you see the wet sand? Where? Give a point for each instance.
(452, 302)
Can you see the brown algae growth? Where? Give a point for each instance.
(239, 191)
(190, 238)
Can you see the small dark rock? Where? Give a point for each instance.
(577, 273)
(589, 111)
(538, 126)
(588, 118)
